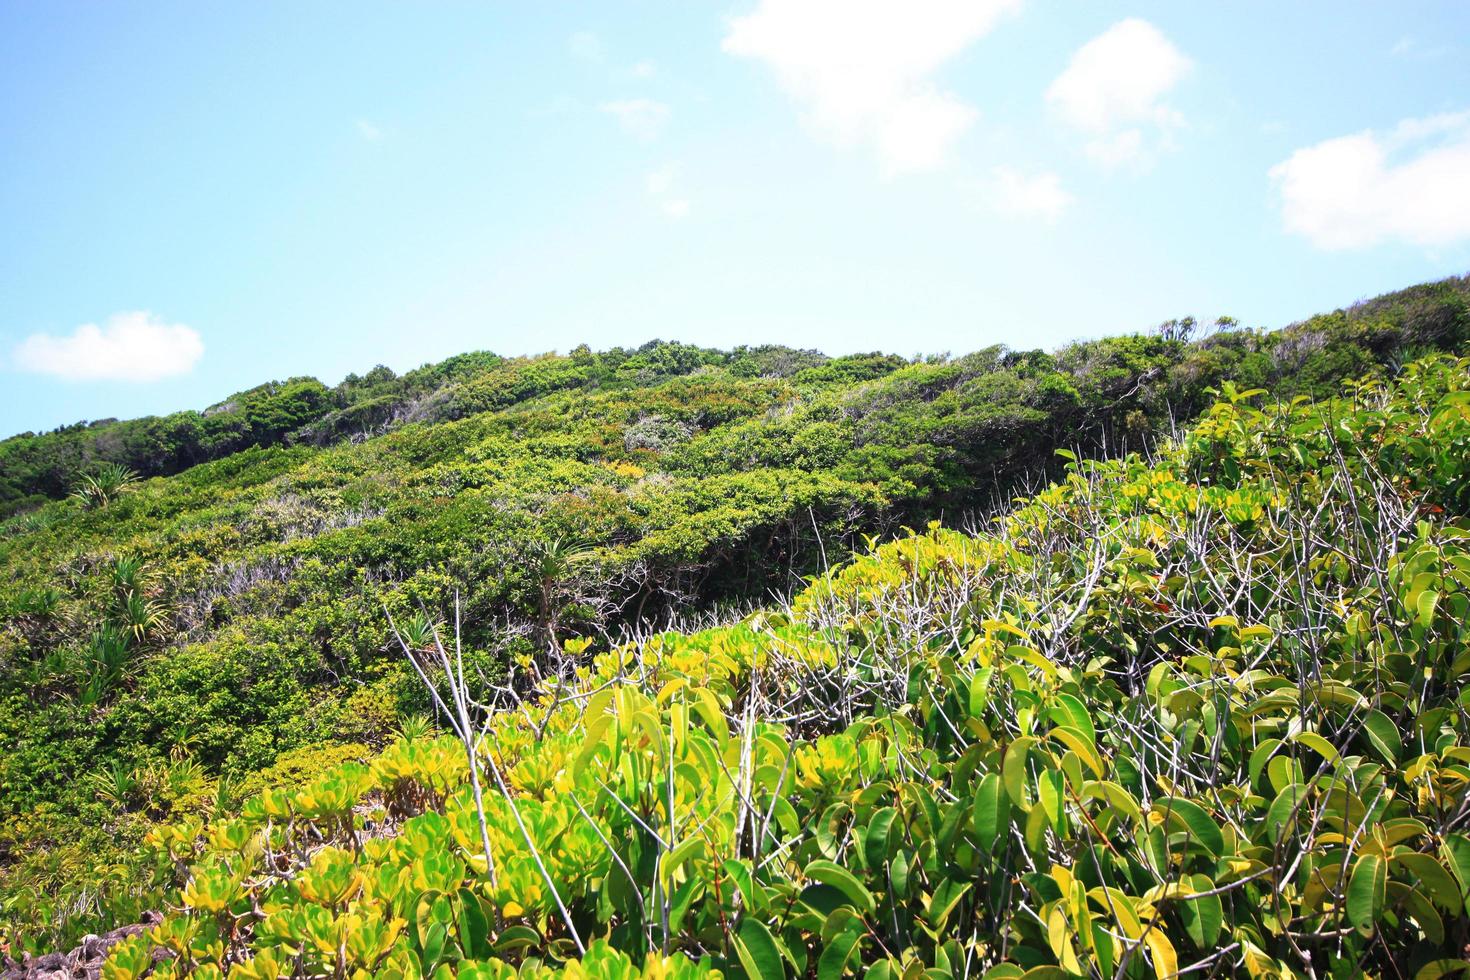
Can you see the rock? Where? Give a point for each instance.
(82, 963)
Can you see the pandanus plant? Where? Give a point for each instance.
(555, 559)
(104, 485)
(418, 632)
(134, 610)
(105, 659)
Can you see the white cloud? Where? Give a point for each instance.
(642, 118)
(1020, 195)
(131, 347)
(585, 46)
(1406, 185)
(1114, 91)
(1411, 47)
(643, 69)
(662, 187)
(861, 69)
(659, 181)
(368, 131)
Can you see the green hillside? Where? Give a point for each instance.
(1197, 704)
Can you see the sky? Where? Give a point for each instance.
(197, 198)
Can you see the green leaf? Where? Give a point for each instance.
(424, 916)
(844, 881)
(823, 899)
(992, 811)
(1318, 744)
(946, 896)
(834, 958)
(1428, 601)
(1049, 793)
(1420, 908)
(830, 828)
(673, 860)
(433, 944)
(1203, 916)
(1456, 853)
(1383, 735)
(751, 892)
(898, 875)
(685, 896)
(1201, 826)
(758, 952)
(474, 925)
(875, 841)
(707, 706)
(591, 743)
(517, 937)
(1013, 770)
(980, 691)
(1084, 748)
(1071, 712)
(1282, 815)
(1433, 879)
(1102, 948)
(1260, 757)
(1365, 892)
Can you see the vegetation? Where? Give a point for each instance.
(1099, 395)
(1196, 706)
(1202, 712)
(110, 481)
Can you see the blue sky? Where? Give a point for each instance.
(195, 198)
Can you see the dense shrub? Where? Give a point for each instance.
(274, 534)
(1197, 713)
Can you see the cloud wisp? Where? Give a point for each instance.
(643, 119)
(861, 71)
(585, 46)
(1407, 185)
(1114, 92)
(663, 189)
(133, 346)
(1016, 194)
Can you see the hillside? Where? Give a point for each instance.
(1305, 358)
(1071, 732)
(1195, 714)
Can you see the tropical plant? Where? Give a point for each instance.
(104, 485)
(247, 583)
(104, 660)
(1197, 713)
(554, 560)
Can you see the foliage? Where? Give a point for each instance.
(1156, 379)
(221, 630)
(106, 484)
(1197, 712)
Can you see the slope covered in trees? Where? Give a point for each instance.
(1196, 713)
(1114, 376)
(191, 658)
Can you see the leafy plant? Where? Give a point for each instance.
(105, 660)
(1196, 713)
(581, 504)
(104, 485)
